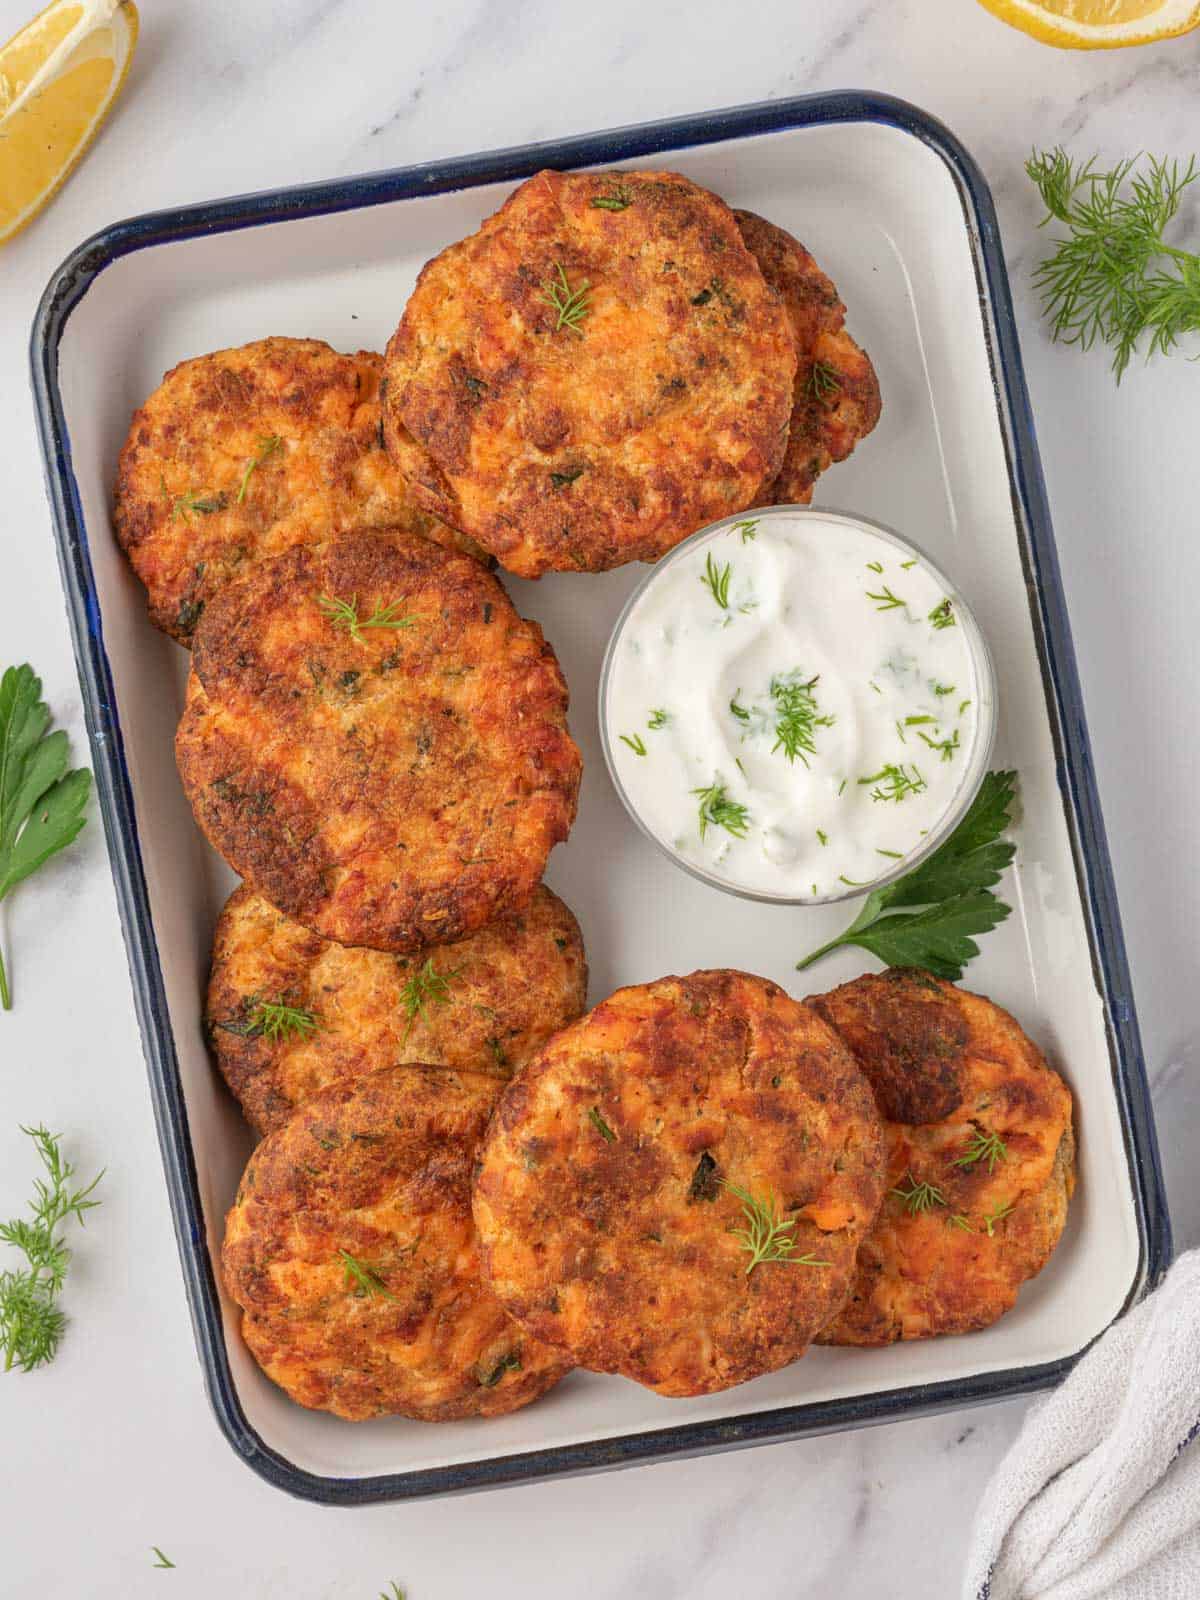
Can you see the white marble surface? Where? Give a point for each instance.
(114, 1449)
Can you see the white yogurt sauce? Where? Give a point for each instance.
(792, 704)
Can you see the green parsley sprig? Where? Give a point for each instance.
(930, 916)
(41, 803)
(31, 1324)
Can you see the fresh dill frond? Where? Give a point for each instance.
(717, 579)
(767, 1236)
(601, 1127)
(823, 380)
(989, 1147)
(945, 747)
(738, 709)
(998, 1215)
(163, 1561)
(397, 1592)
(619, 200)
(943, 689)
(1112, 276)
(895, 782)
(717, 810)
(958, 1220)
(635, 742)
(796, 716)
(571, 305)
(31, 1323)
(875, 566)
(887, 600)
(365, 1283)
(276, 1020)
(344, 614)
(918, 1197)
(201, 500)
(426, 987)
(658, 719)
(747, 529)
(268, 444)
(942, 615)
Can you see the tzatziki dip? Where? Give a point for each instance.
(797, 705)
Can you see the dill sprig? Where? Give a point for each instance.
(989, 1147)
(991, 1218)
(31, 1324)
(942, 615)
(365, 1283)
(344, 614)
(767, 1235)
(268, 444)
(1113, 277)
(570, 304)
(796, 718)
(658, 718)
(163, 1561)
(823, 380)
(887, 600)
(717, 579)
(426, 987)
(895, 782)
(601, 1127)
(276, 1020)
(201, 500)
(747, 530)
(717, 810)
(945, 747)
(919, 1197)
(635, 742)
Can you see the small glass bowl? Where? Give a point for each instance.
(985, 728)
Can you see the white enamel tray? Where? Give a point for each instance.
(898, 215)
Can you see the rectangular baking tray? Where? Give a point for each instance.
(898, 213)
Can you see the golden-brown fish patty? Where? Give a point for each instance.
(377, 742)
(978, 1192)
(484, 1004)
(836, 393)
(242, 454)
(352, 1253)
(608, 1197)
(595, 374)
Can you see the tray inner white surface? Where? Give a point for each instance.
(882, 215)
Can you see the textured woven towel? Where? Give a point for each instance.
(1099, 1498)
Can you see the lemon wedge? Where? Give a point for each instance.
(59, 78)
(1097, 24)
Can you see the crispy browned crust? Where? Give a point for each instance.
(398, 789)
(507, 988)
(827, 420)
(666, 408)
(379, 1168)
(908, 1033)
(181, 513)
(621, 1250)
(939, 1270)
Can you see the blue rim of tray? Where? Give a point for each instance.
(1075, 774)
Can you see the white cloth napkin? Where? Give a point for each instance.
(1099, 1498)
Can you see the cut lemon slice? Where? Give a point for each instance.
(58, 79)
(1098, 24)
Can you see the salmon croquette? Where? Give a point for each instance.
(244, 453)
(595, 374)
(980, 1154)
(376, 741)
(836, 393)
(289, 1013)
(675, 1187)
(351, 1250)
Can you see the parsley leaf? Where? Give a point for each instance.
(929, 917)
(41, 803)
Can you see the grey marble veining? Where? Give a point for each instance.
(229, 97)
